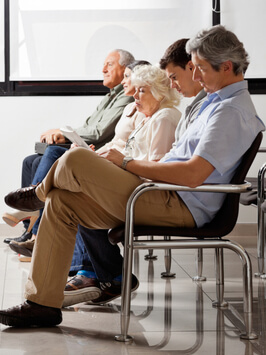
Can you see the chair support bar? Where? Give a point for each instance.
(194, 244)
(130, 245)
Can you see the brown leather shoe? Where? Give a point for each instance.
(24, 199)
(30, 314)
(24, 248)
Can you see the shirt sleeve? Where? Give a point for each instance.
(123, 128)
(228, 135)
(162, 133)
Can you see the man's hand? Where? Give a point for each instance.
(53, 136)
(114, 156)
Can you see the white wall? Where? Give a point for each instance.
(23, 119)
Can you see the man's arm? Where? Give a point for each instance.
(99, 127)
(190, 173)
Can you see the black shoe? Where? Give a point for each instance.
(30, 314)
(112, 290)
(24, 199)
(23, 238)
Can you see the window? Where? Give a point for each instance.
(247, 21)
(58, 46)
(68, 40)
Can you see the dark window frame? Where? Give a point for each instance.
(64, 88)
(42, 88)
(255, 86)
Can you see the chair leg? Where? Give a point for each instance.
(167, 261)
(199, 266)
(247, 296)
(261, 222)
(219, 270)
(261, 244)
(150, 255)
(220, 333)
(247, 285)
(136, 262)
(126, 294)
(261, 248)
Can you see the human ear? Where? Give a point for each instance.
(190, 65)
(227, 66)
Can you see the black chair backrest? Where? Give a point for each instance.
(226, 218)
(223, 222)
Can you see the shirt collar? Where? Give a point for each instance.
(116, 90)
(230, 90)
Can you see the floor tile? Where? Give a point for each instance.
(168, 315)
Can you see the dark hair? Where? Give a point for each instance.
(176, 54)
(133, 64)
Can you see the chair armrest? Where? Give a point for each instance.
(228, 188)
(262, 150)
(149, 186)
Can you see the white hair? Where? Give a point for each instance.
(125, 57)
(159, 83)
(217, 45)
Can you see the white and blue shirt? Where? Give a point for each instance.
(224, 129)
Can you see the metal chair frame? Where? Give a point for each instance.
(258, 184)
(130, 244)
(261, 223)
(208, 236)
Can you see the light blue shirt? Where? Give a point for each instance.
(224, 129)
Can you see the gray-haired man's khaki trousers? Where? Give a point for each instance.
(84, 188)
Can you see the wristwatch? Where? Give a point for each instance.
(125, 161)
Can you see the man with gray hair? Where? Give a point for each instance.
(98, 128)
(84, 188)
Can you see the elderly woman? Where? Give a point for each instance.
(155, 103)
(156, 100)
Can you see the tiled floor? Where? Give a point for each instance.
(172, 316)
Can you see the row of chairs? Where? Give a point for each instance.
(256, 197)
(210, 235)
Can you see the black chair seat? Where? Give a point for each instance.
(214, 229)
(217, 228)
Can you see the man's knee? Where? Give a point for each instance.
(28, 161)
(27, 169)
(54, 152)
(77, 157)
(35, 165)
